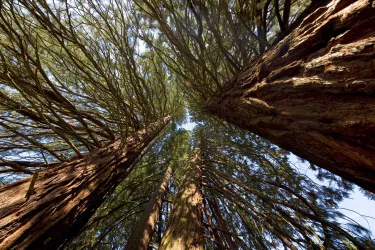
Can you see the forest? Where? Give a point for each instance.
(186, 124)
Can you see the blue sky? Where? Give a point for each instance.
(357, 207)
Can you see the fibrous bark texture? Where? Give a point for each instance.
(314, 92)
(65, 196)
(185, 226)
(142, 233)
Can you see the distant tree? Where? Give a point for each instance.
(250, 197)
(185, 224)
(144, 229)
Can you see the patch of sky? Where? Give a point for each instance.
(189, 125)
(356, 207)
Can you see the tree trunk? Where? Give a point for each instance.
(64, 197)
(142, 233)
(185, 226)
(314, 92)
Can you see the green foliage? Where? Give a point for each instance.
(73, 79)
(264, 201)
(204, 43)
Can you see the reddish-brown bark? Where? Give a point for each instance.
(66, 196)
(314, 92)
(142, 233)
(185, 226)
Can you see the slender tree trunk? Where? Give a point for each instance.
(142, 233)
(185, 226)
(314, 92)
(65, 196)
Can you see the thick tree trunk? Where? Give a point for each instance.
(314, 92)
(142, 233)
(185, 226)
(66, 196)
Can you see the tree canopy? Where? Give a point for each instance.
(73, 79)
(207, 42)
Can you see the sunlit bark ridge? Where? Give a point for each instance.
(313, 93)
(65, 196)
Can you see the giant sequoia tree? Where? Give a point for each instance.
(87, 91)
(310, 93)
(78, 108)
